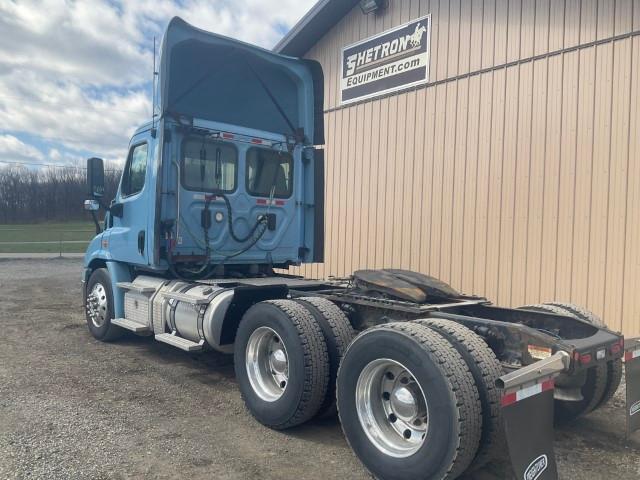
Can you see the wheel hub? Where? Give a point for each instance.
(97, 305)
(404, 404)
(278, 361)
(392, 408)
(267, 364)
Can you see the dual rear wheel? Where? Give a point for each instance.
(287, 354)
(417, 400)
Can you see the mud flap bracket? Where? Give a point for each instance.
(527, 412)
(632, 378)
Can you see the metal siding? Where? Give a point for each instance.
(515, 183)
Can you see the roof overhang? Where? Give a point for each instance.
(318, 21)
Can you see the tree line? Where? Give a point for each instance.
(48, 194)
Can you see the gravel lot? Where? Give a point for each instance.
(72, 407)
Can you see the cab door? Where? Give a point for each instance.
(129, 236)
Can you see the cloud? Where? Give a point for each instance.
(13, 149)
(76, 74)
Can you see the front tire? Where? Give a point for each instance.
(99, 307)
(281, 363)
(408, 404)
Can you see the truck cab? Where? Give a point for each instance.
(226, 179)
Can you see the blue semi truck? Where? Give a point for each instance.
(224, 189)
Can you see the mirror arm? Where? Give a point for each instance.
(96, 222)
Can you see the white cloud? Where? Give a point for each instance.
(75, 74)
(13, 149)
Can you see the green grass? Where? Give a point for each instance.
(16, 238)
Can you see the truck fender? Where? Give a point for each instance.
(118, 272)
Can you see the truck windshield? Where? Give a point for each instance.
(208, 165)
(267, 170)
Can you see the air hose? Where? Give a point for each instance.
(261, 219)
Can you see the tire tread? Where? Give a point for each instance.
(341, 333)
(316, 362)
(486, 369)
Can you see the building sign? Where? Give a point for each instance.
(390, 61)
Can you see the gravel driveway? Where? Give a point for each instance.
(72, 407)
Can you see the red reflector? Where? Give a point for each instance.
(261, 201)
(632, 355)
(256, 140)
(586, 358)
(509, 399)
(615, 348)
(280, 202)
(526, 392)
(227, 135)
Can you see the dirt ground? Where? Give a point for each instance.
(72, 407)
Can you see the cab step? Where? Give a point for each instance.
(135, 327)
(179, 342)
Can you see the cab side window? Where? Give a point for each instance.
(135, 170)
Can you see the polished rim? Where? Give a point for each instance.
(267, 364)
(392, 408)
(97, 305)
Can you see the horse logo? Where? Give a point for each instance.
(415, 39)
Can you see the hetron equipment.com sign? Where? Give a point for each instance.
(389, 61)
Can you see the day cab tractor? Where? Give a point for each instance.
(224, 189)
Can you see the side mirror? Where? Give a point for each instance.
(95, 177)
(91, 205)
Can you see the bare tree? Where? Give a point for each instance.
(49, 194)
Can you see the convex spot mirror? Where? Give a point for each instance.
(95, 177)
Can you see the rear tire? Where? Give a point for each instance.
(593, 388)
(338, 333)
(372, 403)
(281, 363)
(486, 369)
(614, 367)
(99, 307)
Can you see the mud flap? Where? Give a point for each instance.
(527, 412)
(632, 378)
(528, 425)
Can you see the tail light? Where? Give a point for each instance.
(585, 358)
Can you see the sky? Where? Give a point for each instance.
(75, 76)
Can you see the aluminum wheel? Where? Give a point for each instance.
(392, 408)
(267, 364)
(97, 305)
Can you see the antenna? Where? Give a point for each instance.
(153, 91)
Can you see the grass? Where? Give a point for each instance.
(68, 237)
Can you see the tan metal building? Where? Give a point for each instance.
(513, 172)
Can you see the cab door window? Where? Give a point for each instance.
(135, 170)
